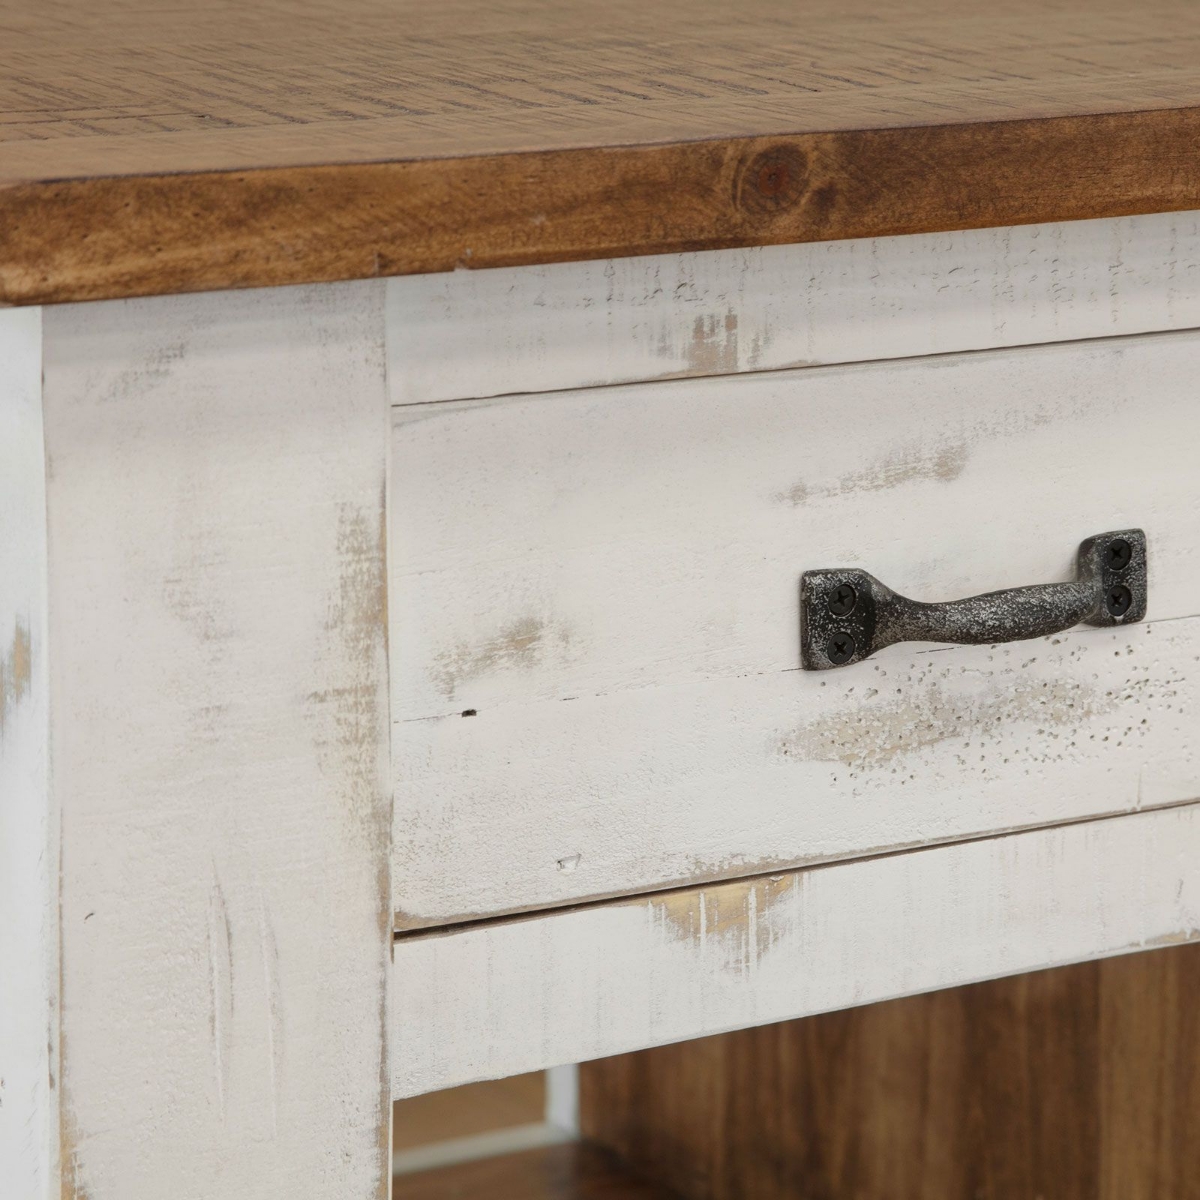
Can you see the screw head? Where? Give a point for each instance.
(1118, 554)
(1118, 600)
(843, 600)
(840, 648)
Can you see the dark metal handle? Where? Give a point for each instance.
(846, 614)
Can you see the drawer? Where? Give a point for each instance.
(595, 619)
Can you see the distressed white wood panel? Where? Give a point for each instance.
(527, 329)
(554, 802)
(609, 579)
(219, 682)
(508, 996)
(29, 1116)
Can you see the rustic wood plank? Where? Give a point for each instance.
(220, 750)
(29, 983)
(464, 334)
(607, 579)
(567, 1172)
(161, 149)
(515, 995)
(1078, 1083)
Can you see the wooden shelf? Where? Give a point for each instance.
(565, 1172)
(157, 147)
(1078, 1083)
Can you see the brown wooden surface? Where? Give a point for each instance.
(153, 147)
(469, 1110)
(565, 1172)
(1081, 1083)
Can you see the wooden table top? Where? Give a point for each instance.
(149, 146)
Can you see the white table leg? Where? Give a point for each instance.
(219, 728)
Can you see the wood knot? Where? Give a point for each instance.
(771, 180)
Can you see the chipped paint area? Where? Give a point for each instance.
(713, 349)
(16, 671)
(743, 919)
(872, 735)
(355, 661)
(942, 463)
(713, 345)
(1003, 714)
(940, 456)
(521, 645)
(1163, 941)
(72, 1186)
(353, 701)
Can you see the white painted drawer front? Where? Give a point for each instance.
(607, 580)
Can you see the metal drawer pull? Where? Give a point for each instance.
(846, 614)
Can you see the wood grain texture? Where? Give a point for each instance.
(464, 334)
(1078, 1084)
(29, 950)
(219, 732)
(515, 995)
(607, 581)
(154, 150)
(1149, 1086)
(569, 1172)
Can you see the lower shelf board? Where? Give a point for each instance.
(572, 1171)
(503, 997)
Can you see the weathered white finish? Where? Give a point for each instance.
(609, 580)
(516, 995)
(28, 829)
(528, 329)
(219, 732)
